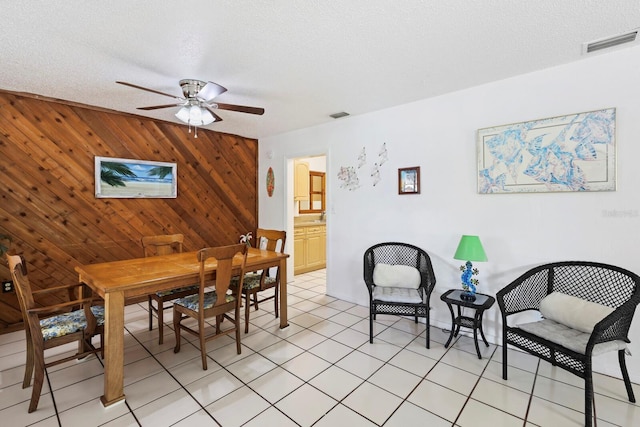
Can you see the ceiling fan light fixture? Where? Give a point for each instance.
(183, 114)
(206, 116)
(195, 115)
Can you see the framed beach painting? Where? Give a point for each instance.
(127, 178)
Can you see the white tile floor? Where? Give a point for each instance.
(320, 371)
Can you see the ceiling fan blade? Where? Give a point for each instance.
(217, 117)
(149, 90)
(240, 108)
(210, 91)
(157, 107)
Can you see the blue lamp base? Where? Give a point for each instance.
(468, 284)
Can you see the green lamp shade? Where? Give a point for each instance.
(470, 249)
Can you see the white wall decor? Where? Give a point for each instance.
(575, 152)
(362, 158)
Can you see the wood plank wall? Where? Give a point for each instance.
(47, 202)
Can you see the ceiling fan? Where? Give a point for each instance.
(197, 105)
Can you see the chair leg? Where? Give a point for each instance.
(275, 300)
(176, 329)
(38, 380)
(102, 345)
(82, 348)
(428, 331)
(28, 369)
(247, 309)
(218, 321)
(625, 376)
(371, 317)
(255, 300)
(150, 312)
(203, 348)
(588, 394)
(504, 353)
(237, 322)
(161, 322)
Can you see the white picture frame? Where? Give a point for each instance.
(576, 152)
(129, 178)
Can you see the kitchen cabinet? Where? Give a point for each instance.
(301, 181)
(309, 248)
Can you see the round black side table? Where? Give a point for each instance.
(482, 302)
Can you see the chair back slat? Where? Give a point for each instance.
(162, 244)
(224, 256)
(271, 240)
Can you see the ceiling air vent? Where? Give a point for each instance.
(339, 115)
(609, 42)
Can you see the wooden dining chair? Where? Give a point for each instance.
(256, 282)
(57, 329)
(217, 303)
(164, 245)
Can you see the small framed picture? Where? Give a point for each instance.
(409, 180)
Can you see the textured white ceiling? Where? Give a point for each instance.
(300, 60)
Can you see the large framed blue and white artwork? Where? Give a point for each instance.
(576, 152)
(127, 178)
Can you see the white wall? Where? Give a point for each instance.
(518, 231)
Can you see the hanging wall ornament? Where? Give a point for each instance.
(270, 182)
(362, 158)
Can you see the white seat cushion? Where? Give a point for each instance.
(570, 338)
(572, 311)
(390, 294)
(396, 276)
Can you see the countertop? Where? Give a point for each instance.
(309, 223)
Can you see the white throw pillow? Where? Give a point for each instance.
(573, 312)
(397, 276)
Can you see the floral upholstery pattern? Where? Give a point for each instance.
(192, 301)
(98, 312)
(193, 288)
(68, 323)
(251, 281)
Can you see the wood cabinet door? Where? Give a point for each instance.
(316, 247)
(299, 252)
(301, 181)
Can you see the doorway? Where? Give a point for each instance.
(306, 212)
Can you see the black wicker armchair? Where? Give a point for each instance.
(409, 280)
(566, 344)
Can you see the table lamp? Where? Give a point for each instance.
(469, 249)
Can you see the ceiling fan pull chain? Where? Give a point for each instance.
(195, 131)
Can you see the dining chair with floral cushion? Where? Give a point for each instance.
(164, 245)
(46, 327)
(217, 303)
(258, 281)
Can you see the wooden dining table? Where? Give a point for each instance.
(116, 281)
